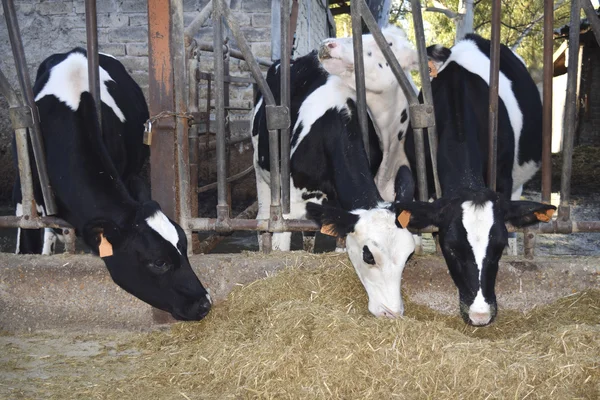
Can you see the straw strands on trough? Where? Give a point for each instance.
(306, 334)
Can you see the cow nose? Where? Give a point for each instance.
(388, 313)
(332, 45)
(480, 318)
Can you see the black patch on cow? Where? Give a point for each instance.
(403, 116)
(400, 134)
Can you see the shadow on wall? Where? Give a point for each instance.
(7, 170)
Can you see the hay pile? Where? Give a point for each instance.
(307, 334)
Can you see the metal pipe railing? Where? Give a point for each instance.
(35, 132)
(547, 102)
(564, 212)
(359, 72)
(427, 91)
(284, 101)
(91, 34)
(493, 95)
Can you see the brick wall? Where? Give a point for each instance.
(49, 27)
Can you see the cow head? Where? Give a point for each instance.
(147, 257)
(472, 236)
(337, 57)
(378, 249)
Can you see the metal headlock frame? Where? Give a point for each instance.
(25, 119)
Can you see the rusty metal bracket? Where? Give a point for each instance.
(422, 116)
(21, 117)
(278, 117)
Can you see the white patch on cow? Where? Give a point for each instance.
(69, 79)
(334, 94)
(480, 312)
(49, 242)
(18, 213)
(108, 55)
(523, 173)
(208, 298)
(467, 54)
(391, 246)
(161, 224)
(478, 220)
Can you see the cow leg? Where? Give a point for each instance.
(340, 245)
(512, 249)
(29, 241)
(49, 242)
(308, 241)
(263, 192)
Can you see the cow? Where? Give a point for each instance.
(471, 217)
(387, 104)
(332, 181)
(98, 186)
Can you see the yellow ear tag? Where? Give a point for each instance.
(404, 218)
(328, 230)
(105, 247)
(433, 72)
(544, 216)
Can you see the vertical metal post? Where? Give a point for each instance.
(284, 74)
(222, 206)
(493, 99)
(180, 93)
(163, 171)
(547, 102)
(564, 211)
(359, 71)
(14, 34)
(193, 104)
(91, 34)
(426, 88)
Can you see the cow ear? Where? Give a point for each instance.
(437, 56)
(404, 185)
(95, 230)
(417, 214)
(524, 213)
(334, 221)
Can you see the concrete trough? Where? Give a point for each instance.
(76, 293)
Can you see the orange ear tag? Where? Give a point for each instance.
(433, 72)
(328, 230)
(105, 247)
(544, 216)
(404, 218)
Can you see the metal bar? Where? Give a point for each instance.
(69, 235)
(25, 175)
(220, 109)
(212, 186)
(181, 126)
(295, 225)
(14, 34)
(25, 222)
(493, 99)
(234, 54)
(547, 102)
(426, 90)
(91, 34)
(197, 23)
(193, 107)
(570, 111)
(161, 98)
(211, 242)
(359, 71)
(592, 18)
(226, 98)
(231, 142)
(246, 53)
(284, 74)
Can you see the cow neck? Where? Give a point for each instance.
(386, 110)
(352, 176)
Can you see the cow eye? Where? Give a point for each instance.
(159, 265)
(368, 256)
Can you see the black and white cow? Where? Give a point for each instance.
(332, 182)
(98, 188)
(386, 102)
(470, 217)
